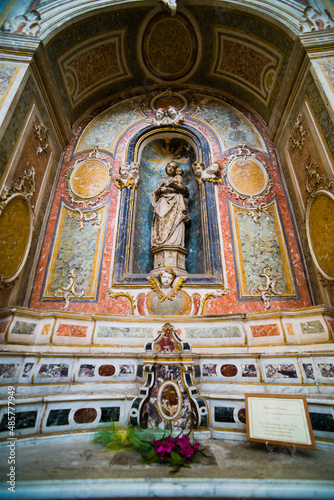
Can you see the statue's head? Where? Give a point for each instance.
(171, 168)
(159, 114)
(124, 171)
(167, 277)
(198, 168)
(172, 113)
(135, 167)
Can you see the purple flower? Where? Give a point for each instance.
(186, 448)
(164, 446)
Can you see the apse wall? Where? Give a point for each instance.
(76, 353)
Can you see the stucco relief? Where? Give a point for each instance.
(255, 67)
(92, 64)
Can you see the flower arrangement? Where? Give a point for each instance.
(154, 445)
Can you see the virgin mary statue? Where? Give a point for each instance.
(170, 209)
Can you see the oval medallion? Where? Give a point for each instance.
(85, 415)
(16, 231)
(320, 225)
(229, 370)
(169, 400)
(89, 179)
(248, 177)
(107, 370)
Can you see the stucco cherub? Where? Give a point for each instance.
(198, 169)
(212, 173)
(167, 284)
(128, 176)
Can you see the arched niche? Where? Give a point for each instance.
(153, 148)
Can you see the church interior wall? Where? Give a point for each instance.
(76, 364)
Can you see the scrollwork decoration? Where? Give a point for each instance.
(41, 133)
(213, 295)
(255, 212)
(25, 185)
(268, 288)
(298, 133)
(84, 217)
(315, 181)
(116, 295)
(69, 291)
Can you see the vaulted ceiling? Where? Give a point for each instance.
(130, 48)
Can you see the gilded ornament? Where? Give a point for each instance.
(213, 295)
(69, 291)
(83, 217)
(268, 289)
(116, 295)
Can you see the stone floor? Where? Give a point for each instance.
(78, 468)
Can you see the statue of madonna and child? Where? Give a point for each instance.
(170, 200)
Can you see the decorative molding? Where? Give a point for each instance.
(127, 296)
(267, 290)
(315, 181)
(170, 5)
(316, 21)
(69, 291)
(318, 220)
(298, 133)
(83, 217)
(212, 173)
(41, 133)
(213, 295)
(24, 186)
(24, 24)
(255, 212)
(169, 117)
(78, 177)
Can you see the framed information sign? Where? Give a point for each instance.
(279, 419)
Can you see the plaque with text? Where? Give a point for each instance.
(279, 419)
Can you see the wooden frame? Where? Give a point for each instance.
(279, 419)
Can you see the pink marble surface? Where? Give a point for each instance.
(65, 330)
(265, 330)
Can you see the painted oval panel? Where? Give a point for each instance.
(248, 177)
(229, 370)
(15, 230)
(321, 231)
(169, 400)
(89, 179)
(85, 415)
(107, 370)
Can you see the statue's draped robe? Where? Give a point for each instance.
(169, 213)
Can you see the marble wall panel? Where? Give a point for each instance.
(125, 332)
(280, 371)
(258, 246)
(76, 248)
(27, 420)
(8, 73)
(100, 132)
(264, 332)
(23, 328)
(72, 332)
(233, 127)
(228, 414)
(218, 332)
(230, 369)
(306, 330)
(53, 370)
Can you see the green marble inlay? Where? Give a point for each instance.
(225, 332)
(23, 328)
(76, 249)
(110, 331)
(58, 417)
(312, 327)
(260, 248)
